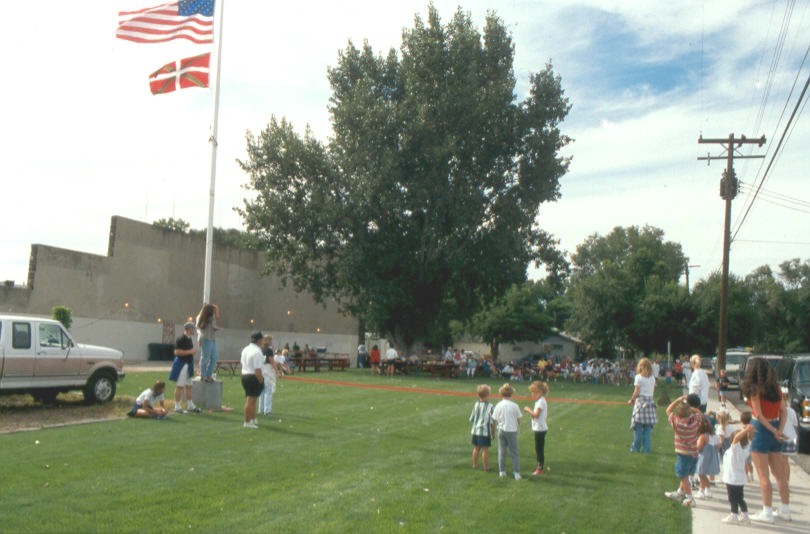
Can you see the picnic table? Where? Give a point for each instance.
(230, 365)
(440, 369)
(340, 362)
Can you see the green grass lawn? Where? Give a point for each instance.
(334, 458)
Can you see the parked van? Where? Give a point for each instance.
(38, 356)
(735, 359)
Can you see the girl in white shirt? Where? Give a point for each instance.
(539, 414)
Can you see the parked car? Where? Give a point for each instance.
(774, 361)
(798, 384)
(734, 361)
(38, 356)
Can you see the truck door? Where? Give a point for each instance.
(18, 351)
(56, 356)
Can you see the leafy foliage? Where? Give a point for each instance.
(423, 203)
(64, 315)
(221, 236)
(520, 315)
(623, 288)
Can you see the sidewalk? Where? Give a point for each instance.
(707, 515)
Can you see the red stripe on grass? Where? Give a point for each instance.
(437, 391)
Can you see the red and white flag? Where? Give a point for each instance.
(184, 19)
(181, 74)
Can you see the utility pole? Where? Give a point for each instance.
(686, 267)
(728, 190)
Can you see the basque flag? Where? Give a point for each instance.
(181, 74)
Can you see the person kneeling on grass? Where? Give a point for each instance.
(150, 402)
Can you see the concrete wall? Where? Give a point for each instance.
(151, 282)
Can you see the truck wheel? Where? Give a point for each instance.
(100, 389)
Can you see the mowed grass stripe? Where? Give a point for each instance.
(326, 462)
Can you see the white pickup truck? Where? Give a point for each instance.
(38, 356)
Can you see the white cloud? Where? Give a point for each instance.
(84, 140)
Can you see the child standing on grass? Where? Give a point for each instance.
(539, 414)
(150, 402)
(708, 458)
(507, 415)
(482, 427)
(734, 476)
(269, 371)
(685, 421)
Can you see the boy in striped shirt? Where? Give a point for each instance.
(482, 427)
(685, 421)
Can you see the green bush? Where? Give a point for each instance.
(63, 314)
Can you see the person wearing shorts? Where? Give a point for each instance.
(183, 369)
(252, 378)
(685, 422)
(760, 387)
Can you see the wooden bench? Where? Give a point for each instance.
(230, 365)
(317, 362)
(440, 369)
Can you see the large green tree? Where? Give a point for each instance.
(623, 290)
(521, 314)
(423, 203)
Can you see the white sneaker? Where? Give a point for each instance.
(517, 476)
(784, 515)
(179, 411)
(700, 495)
(744, 519)
(250, 424)
(731, 518)
(764, 516)
(689, 502)
(674, 495)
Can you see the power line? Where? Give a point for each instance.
(770, 242)
(776, 152)
(777, 195)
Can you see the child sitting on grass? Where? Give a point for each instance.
(150, 402)
(685, 421)
(507, 415)
(482, 427)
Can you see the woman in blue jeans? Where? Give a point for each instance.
(644, 416)
(207, 327)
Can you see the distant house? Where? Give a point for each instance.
(557, 344)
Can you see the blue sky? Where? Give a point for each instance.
(84, 139)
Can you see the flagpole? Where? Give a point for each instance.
(209, 234)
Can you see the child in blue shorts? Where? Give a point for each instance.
(482, 427)
(685, 421)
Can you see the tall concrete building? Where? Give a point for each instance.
(150, 283)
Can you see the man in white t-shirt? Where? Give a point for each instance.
(252, 379)
(699, 382)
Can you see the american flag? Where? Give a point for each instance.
(185, 19)
(180, 74)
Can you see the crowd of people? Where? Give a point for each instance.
(707, 445)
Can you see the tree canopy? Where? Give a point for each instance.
(623, 290)
(423, 203)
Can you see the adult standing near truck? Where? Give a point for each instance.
(183, 369)
(207, 328)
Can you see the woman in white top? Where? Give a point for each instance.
(644, 417)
